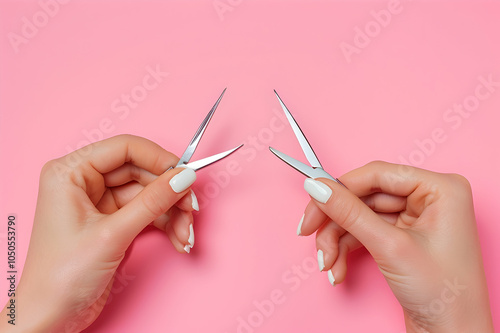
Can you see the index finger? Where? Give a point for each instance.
(107, 155)
(378, 176)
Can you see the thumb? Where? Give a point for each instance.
(154, 200)
(352, 214)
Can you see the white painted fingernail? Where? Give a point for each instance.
(182, 180)
(194, 202)
(331, 278)
(187, 248)
(321, 260)
(299, 228)
(191, 236)
(318, 190)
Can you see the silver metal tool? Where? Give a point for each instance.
(188, 153)
(315, 170)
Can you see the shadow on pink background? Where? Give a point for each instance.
(363, 86)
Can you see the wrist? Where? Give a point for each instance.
(476, 320)
(26, 315)
(11, 322)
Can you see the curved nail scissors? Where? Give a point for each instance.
(315, 170)
(188, 153)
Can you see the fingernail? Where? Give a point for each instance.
(321, 260)
(194, 201)
(187, 248)
(331, 278)
(319, 191)
(182, 180)
(299, 228)
(191, 236)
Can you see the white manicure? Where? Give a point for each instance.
(187, 248)
(299, 228)
(331, 278)
(191, 236)
(194, 201)
(182, 180)
(318, 190)
(321, 260)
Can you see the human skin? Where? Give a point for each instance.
(87, 215)
(419, 227)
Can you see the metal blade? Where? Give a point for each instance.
(306, 147)
(188, 153)
(303, 168)
(197, 165)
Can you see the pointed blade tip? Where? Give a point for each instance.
(238, 147)
(277, 95)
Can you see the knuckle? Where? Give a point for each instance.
(457, 186)
(376, 164)
(460, 181)
(54, 169)
(125, 137)
(47, 168)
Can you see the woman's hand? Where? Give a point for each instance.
(91, 205)
(420, 228)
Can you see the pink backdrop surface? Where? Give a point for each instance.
(366, 80)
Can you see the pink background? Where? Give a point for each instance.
(62, 83)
